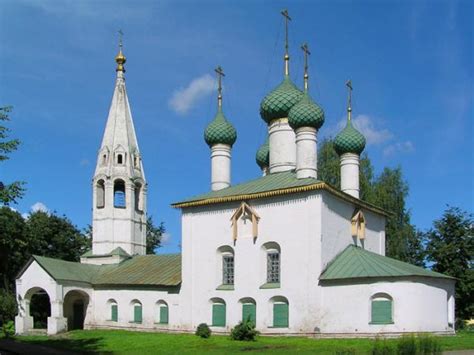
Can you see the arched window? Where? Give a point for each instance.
(218, 312)
(225, 261)
(104, 159)
(162, 313)
(138, 197)
(249, 310)
(100, 194)
(281, 312)
(381, 309)
(137, 311)
(119, 194)
(119, 159)
(272, 254)
(113, 310)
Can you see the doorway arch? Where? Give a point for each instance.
(75, 306)
(38, 304)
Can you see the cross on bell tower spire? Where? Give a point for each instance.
(287, 56)
(349, 100)
(306, 51)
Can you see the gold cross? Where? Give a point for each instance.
(220, 74)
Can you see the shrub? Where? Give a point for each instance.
(203, 331)
(406, 345)
(8, 307)
(382, 347)
(8, 329)
(245, 330)
(428, 344)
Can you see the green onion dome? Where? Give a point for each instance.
(349, 140)
(220, 131)
(263, 155)
(278, 103)
(306, 113)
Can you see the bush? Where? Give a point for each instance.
(8, 307)
(428, 344)
(203, 331)
(406, 345)
(245, 330)
(8, 329)
(382, 347)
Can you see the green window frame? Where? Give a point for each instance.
(218, 315)
(114, 313)
(164, 313)
(137, 313)
(280, 315)
(381, 311)
(249, 311)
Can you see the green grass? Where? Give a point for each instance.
(118, 341)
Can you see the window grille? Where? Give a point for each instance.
(228, 269)
(273, 267)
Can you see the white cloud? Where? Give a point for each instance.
(400, 147)
(184, 99)
(39, 206)
(366, 125)
(165, 238)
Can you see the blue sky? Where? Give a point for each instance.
(411, 64)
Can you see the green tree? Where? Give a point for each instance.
(13, 246)
(450, 247)
(9, 193)
(55, 236)
(153, 235)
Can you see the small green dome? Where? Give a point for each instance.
(306, 113)
(278, 103)
(263, 155)
(349, 140)
(220, 131)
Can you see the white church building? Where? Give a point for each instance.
(288, 251)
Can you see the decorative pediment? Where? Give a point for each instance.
(244, 212)
(358, 225)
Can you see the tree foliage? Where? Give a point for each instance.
(9, 193)
(450, 247)
(153, 235)
(388, 191)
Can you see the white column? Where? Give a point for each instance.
(23, 321)
(282, 146)
(350, 174)
(306, 153)
(57, 323)
(220, 166)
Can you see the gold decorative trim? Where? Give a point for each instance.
(278, 120)
(279, 192)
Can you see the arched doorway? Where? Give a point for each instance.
(75, 309)
(38, 307)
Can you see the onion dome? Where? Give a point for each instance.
(306, 113)
(263, 155)
(349, 140)
(278, 103)
(120, 59)
(220, 131)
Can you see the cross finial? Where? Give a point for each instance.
(120, 58)
(220, 74)
(120, 32)
(287, 56)
(306, 51)
(349, 99)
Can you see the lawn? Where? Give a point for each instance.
(118, 341)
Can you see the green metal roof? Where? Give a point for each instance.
(117, 251)
(271, 185)
(164, 270)
(355, 263)
(220, 131)
(306, 113)
(144, 270)
(263, 155)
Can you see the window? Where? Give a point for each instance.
(162, 312)
(218, 315)
(100, 194)
(119, 159)
(104, 159)
(228, 269)
(281, 312)
(138, 197)
(381, 309)
(119, 194)
(249, 312)
(137, 313)
(273, 266)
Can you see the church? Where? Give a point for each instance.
(286, 250)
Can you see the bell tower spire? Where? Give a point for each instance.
(119, 185)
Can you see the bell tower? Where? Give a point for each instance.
(119, 185)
